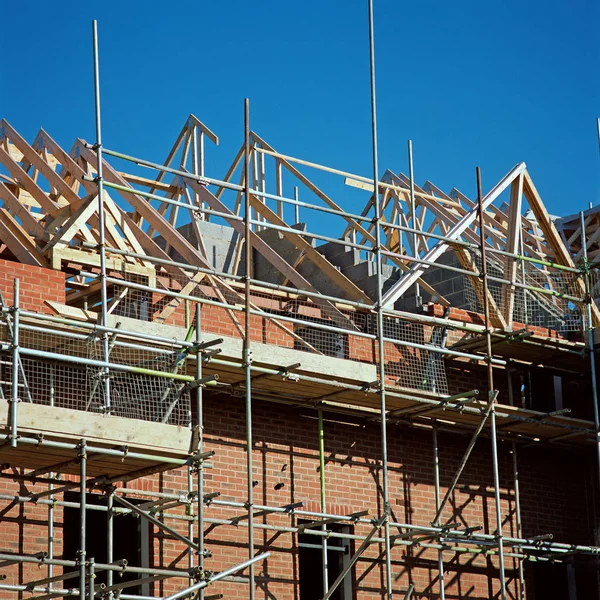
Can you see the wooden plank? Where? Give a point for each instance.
(148, 212)
(552, 236)
(337, 277)
(18, 242)
(117, 216)
(494, 229)
(106, 429)
(75, 224)
(273, 257)
(496, 317)
(30, 223)
(409, 278)
(92, 259)
(351, 222)
(175, 301)
(71, 312)
(47, 204)
(502, 216)
(512, 246)
(149, 183)
(40, 164)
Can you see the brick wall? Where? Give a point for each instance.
(37, 285)
(555, 498)
(557, 486)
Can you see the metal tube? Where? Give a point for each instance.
(50, 533)
(413, 211)
(461, 466)
(355, 558)
(497, 502)
(380, 334)
(521, 580)
(82, 518)
(305, 233)
(590, 336)
(192, 208)
(436, 477)
(247, 354)
(324, 560)
(492, 394)
(104, 364)
(462, 271)
(297, 203)
(217, 577)
(91, 577)
(267, 315)
(297, 206)
(110, 528)
(133, 508)
(109, 451)
(101, 217)
(185, 174)
(200, 426)
(98, 566)
(72, 335)
(14, 405)
(361, 178)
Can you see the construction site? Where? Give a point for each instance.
(231, 386)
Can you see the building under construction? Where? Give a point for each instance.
(235, 388)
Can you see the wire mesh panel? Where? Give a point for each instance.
(136, 395)
(544, 297)
(64, 384)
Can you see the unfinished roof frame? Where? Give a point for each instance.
(112, 248)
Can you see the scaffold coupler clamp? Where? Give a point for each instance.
(82, 450)
(197, 460)
(247, 357)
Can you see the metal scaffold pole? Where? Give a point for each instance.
(247, 354)
(324, 559)
(436, 476)
(101, 219)
(81, 554)
(492, 393)
(14, 404)
(413, 211)
(110, 529)
(590, 335)
(380, 333)
(200, 426)
(519, 528)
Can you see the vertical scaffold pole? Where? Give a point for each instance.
(492, 396)
(14, 397)
(101, 219)
(590, 336)
(436, 477)
(324, 561)
(589, 326)
(521, 582)
(82, 517)
(110, 532)
(413, 208)
(247, 358)
(91, 577)
(200, 425)
(380, 344)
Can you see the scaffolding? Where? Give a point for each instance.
(141, 260)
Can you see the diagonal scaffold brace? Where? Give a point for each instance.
(466, 456)
(355, 557)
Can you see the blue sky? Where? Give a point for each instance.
(472, 83)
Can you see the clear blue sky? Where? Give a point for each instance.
(472, 83)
